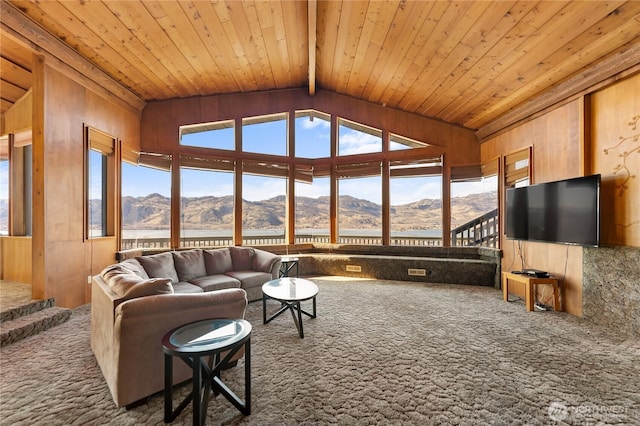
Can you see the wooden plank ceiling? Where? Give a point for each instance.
(463, 62)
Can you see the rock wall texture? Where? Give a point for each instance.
(611, 287)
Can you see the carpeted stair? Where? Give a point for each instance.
(30, 318)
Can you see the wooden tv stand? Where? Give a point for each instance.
(529, 284)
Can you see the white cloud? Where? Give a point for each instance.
(366, 188)
(258, 188)
(461, 189)
(317, 122)
(409, 190)
(319, 188)
(359, 143)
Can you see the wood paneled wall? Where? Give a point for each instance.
(598, 133)
(556, 141)
(15, 259)
(615, 154)
(62, 259)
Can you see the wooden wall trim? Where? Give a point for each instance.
(619, 64)
(312, 14)
(39, 288)
(62, 57)
(175, 201)
(585, 135)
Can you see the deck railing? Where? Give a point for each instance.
(481, 231)
(222, 241)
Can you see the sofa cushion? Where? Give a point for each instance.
(185, 287)
(128, 285)
(242, 258)
(189, 264)
(216, 282)
(251, 279)
(159, 266)
(135, 267)
(217, 261)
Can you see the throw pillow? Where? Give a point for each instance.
(263, 261)
(217, 261)
(135, 267)
(189, 264)
(159, 266)
(242, 258)
(128, 285)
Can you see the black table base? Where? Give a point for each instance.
(206, 378)
(294, 307)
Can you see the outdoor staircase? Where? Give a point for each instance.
(30, 318)
(481, 231)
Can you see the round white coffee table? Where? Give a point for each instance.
(289, 292)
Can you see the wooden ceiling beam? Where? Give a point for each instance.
(312, 15)
(62, 57)
(622, 61)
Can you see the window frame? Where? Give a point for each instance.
(19, 156)
(108, 146)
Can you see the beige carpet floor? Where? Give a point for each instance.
(379, 352)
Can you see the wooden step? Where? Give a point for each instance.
(22, 309)
(33, 323)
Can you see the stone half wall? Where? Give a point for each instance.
(611, 287)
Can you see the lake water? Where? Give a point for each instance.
(155, 233)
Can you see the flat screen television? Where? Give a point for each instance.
(565, 211)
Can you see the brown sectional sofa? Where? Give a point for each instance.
(136, 301)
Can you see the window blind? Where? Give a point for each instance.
(155, 161)
(264, 168)
(516, 166)
(101, 142)
(422, 167)
(206, 163)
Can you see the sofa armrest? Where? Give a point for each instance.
(140, 325)
(103, 302)
(264, 261)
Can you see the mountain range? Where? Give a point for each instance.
(153, 212)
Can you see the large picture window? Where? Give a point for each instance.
(313, 134)
(146, 204)
(235, 188)
(218, 135)
(354, 138)
(312, 210)
(206, 205)
(360, 203)
(265, 135)
(100, 178)
(474, 205)
(264, 206)
(415, 197)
